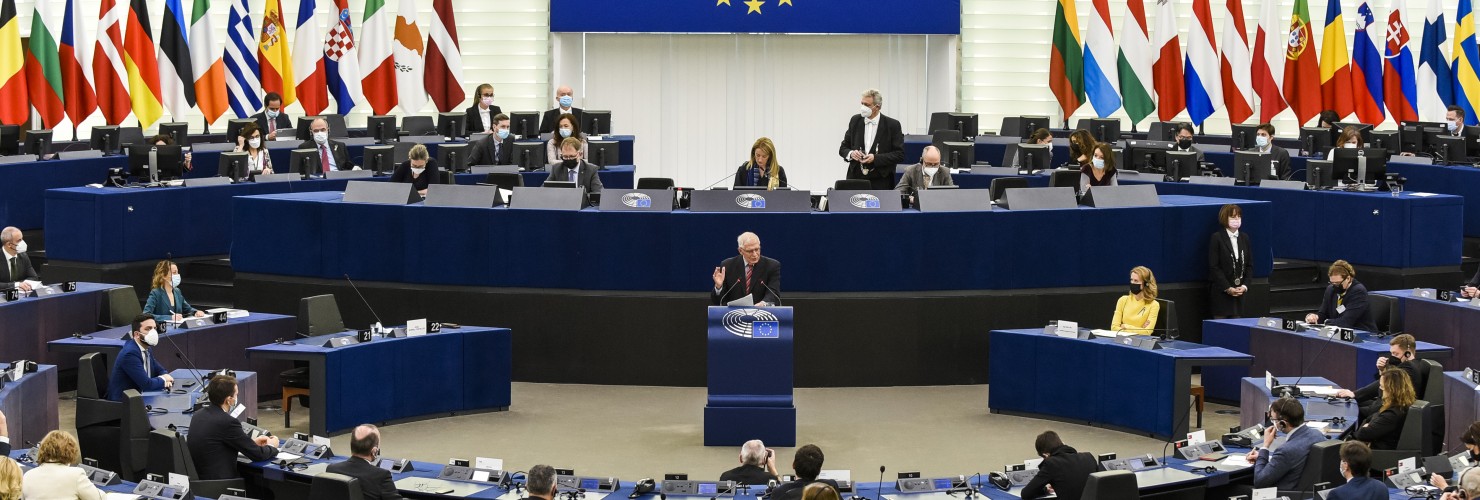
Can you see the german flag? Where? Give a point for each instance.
(142, 66)
(15, 108)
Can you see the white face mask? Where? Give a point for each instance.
(255, 142)
(487, 101)
(272, 114)
(321, 137)
(20, 247)
(1235, 222)
(152, 338)
(564, 132)
(1098, 163)
(1349, 146)
(1453, 125)
(1261, 141)
(418, 171)
(930, 171)
(865, 111)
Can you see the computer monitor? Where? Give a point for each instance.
(603, 153)
(524, 124)
(233, 129)
(379, 159)
(596, 122)
(452, 125)
(1163, 131)
(105, 139)
(1181, 165)
(155, 163)
(1022, 127)
(38, 142)
(1318, 173)
(1472, 141)
(1411, 134)
(559, 184)
(179, 132)
(382, 128)
(1146, 156)
(1444, 148)
(965, 123)
(304, 162)
(1362, 128)
(529, 155)
(453, 157)
(305, 128)
(1104, 129)
(1033, 157)
(1362, 165)
(957, 154)
(1315, 141)
(233, 165)
(1387, 139)
(1250, 167)
(1243, 136)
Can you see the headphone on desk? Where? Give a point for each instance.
(999, 480)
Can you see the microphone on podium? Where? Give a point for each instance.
(773, 293)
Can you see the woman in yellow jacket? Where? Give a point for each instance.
(1136, 312)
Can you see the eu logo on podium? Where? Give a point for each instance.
(766, 329)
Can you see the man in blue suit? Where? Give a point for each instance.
(1282, 468)
(1356, 461)
(136, 367)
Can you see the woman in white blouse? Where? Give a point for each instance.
(57, 476)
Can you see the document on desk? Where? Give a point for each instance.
(745, 301)
(1103, 333)
(286, 456)
(1319, 390)
(1237, 460)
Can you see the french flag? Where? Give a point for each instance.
(1367, 70)
(1202, 71)
(1399, 85)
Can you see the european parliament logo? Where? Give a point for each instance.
(751, 201)
(637, 200)
(752, 323)
(864, 200)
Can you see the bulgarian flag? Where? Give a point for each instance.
(43, 68)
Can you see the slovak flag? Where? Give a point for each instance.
(1399, 85)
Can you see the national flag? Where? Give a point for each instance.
(205, 59)
(242, 82)
(1302, 81)
(142, 67)
(1466, 60)
(274, 59)
(1066, 61)
(308, 61)
(75, 55)
(1434, 80)
(1170, 94)
(14, 108)
(444, 69)
(1367, 65)
(1269, 61)
(411, 90)
(1336, 77)
(379, 83)
(43, 68)
(1201, 71)
(341, 60)
(176, 76)
(110, 82)
(1135, 63)
(1399, 89)
(1237, 84)
(1100, 61)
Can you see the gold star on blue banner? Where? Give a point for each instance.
(754, 6)
(722, 2)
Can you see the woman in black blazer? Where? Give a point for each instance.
(1383, 428)
(1230, 266)
(416, 160)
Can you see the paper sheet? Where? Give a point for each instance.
(1238, 459)
(488, 463)
(287, 456)
(1421, 194)
(1319, 390)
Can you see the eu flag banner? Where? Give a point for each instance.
(922, 17)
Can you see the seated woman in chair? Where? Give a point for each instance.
(1381, 430)
(1136, 312)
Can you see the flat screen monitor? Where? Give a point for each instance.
(1472, 141)
(1362, 165)
(453, 157)
(524, 124)
(603, 153)
(958, 154)
(156, 163)
(559, 184)
(305, 128)
(1250, 167)
(38, 142)
(1022, 127)
(1318, 173)
(1411, 135)
(233, 165)
(1104, 129)
(529, 155)
(1445, 148)
(379, 159)
(179, 132)
(105, 139)
(1315, 141)
(1181, 165)
(965, 123)
(1032, 157)
(234, 129)
(1362, 128)
(1146, 156)
(452, 125)
(1387, 139)
(304, 162)
(382, 128)
(1243, 136)
(596, 122)
(1163, 131)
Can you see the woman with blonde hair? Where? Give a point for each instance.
(56, 476)
(1382, 429)
(166, 303)
(1136, 311)
(820, 491)
(10, 479)
(763, 169)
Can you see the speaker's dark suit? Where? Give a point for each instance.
(285, 128)
(767, 271)
(484, 151)
(337, 149)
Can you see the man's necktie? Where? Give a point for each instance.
(747, 278)
(324, 158)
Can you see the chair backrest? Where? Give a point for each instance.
(505, 180)
(654, 183)
(1167, 320)
(418, 125)
(337, 127)
(1111, 485)
(331, 486)
(319, 315)
(1432, 389)
(1431, 436)
(446, 177)
(1381, 307)
(163, 454)
(852, 185)
(1412, 435)
(1000, 186)
(123, 306)
(134, 440)
(1064, 178)
(1320, 464)
(92, 375)
(945, 135)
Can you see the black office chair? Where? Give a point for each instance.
(337, 128)
(99, 421)
(134, 438)
(1321, 465)
(130, 135)
(945, 135)
(654, 183)
(1111, 485)
(852, 185)
(1000, 186)
(505, 180)
(1421, 436)
(168, 454)
(331, 486)
(418, 125)
(1432, 389)
(446, 177)
(1382, 312)
(123, 306)
(1064, 178)
(317, 315)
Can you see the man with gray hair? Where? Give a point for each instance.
(926, 174)
(748, 275)
(539, 482)
(757, 465)
(333, 155)
(874, 144)
(364, 448)
(18, 268)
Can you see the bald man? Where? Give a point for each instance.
(565, 100)
(16, 270)
(333, 155)
(926, 174)
(364, 448)
(747, 274)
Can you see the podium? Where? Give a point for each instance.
(750, 377)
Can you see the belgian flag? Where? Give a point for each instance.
(15, 106)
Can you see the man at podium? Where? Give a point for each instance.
(747, 279)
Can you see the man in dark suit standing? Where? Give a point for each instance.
(480, 116)
(136, 368)
(874, 144)
(364, 448)
(18, 268)
(565, 97)
(496, 148)
(1063, 468)
(572, 168)
(333, 155)
(1279, 157)
(272, 118)
(216, 436)
(747, 274)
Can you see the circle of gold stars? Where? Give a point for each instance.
(753, 6)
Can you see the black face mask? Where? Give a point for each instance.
(569, 164)
(1135, 288)
(1184, 143)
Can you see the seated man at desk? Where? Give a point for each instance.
(1401, 351)
(1064, 469)
(807, 463)
(1345, 302)
(333, 155)
(1279, 158)
(747, 274)
(1282, 468)
(757, 465)
(1356, 464)
(18, 271)
(496, 148)
(1136, 312)
(364, 448)
(216, 437)
(539, 482)
(572, 167)
(136, 367)
(925, 174)
(1184, 141)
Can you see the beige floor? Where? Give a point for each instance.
(636, 432)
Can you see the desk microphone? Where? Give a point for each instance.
(1175, 424)
(726, 291)
(773, 292)
(879, 490)
(180, 353)
(1295, 388)
(362, 299)
(716, 183)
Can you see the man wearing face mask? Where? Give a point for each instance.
(418, 170)
(1345, 302)
(926, 174)
(18, 270)
(874, 143)
(1356, 463)
(1282, 468)
(272, 118)
(216, 437)
(135, 368)
(333, 155)
(496, 148)
(480, 114)
(1279, 158)
(1184, 141)
(565, 100)
(375, 482)
(1454, 116)
(573, 168)
(1401, 354)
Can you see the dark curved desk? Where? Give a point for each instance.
(30, 405)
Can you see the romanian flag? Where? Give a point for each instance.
(15, 109)
(1066, 70)
(1302, 71)
(1336, 75)
(273, 56)
(141, 64)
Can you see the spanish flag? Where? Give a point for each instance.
(142, 66)
(15, 109)
(273, 55)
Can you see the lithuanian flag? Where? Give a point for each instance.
(1066, 71)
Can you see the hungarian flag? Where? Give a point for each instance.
(1336, 76)
(75, 55)
(43, 68)
(341, 60)
(142, 67)
(205, 60)
(1399, 89)
(176, 76)
(1269, 62)
(1135, 63)
(274, 59)
(379, 83)
(109, 75)
(1237, 84)
(1066, 67)
(1170, 95)
(308, 61)
(14, 108)
(1302, 71)
(444, 69)
(1201, 71)
(1367, 68)
(412, 92)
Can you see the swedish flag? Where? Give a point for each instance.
(1466, 59)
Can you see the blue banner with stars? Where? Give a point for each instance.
(916, 17)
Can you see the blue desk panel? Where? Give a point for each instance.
(821, 252)
(1026, 380)
(1255, 399)
(30, 405)
(26, 325)
(1454, 324)
(171, 406)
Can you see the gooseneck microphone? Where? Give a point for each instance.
(362, 299)
(726, 291)
(879, 491)
(773, 293)
(725, 178)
